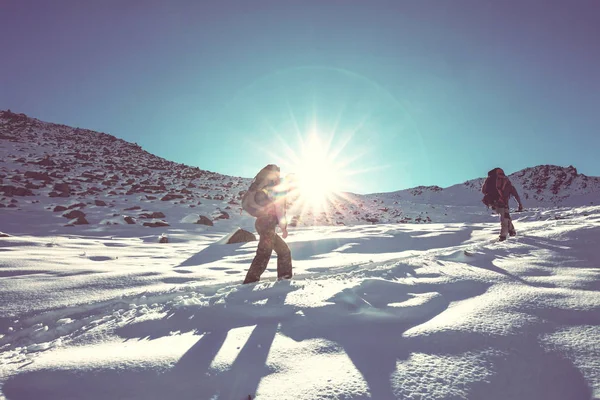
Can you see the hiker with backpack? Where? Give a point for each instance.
(497, 190)
(265, 200)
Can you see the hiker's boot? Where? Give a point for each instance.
(502, 238)
(512, 233)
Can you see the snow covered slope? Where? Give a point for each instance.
(93, 305)
(541, 186)
(386, 311)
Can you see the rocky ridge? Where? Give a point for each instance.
(81, 177)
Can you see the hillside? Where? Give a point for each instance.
(62, 176)
(95, 307)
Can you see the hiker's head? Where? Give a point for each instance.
(273, 173)
(496, 172)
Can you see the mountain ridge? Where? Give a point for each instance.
(58, 167)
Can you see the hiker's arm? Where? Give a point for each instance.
(282, 220)
(513, 191)
(279, 203)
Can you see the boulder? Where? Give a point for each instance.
(241, 236)
(10, 190)
(156, 224)
(156, 214)
(204, 221)
(74, 214)
(62, 187)
(222, 215)
(38, 176)
(171, 196)
(80, 221)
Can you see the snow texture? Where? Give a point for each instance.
(393, 310)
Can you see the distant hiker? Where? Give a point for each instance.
(497, 190)
(265, 200)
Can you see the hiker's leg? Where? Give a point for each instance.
(263, 253)
(504, 221)
(511, 228)
(284, 258)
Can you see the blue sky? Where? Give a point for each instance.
(403, 93)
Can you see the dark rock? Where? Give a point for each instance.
(100, 203)
(129, 220)
(156, 224)
(62, 187)
(156, 214)
(80, 221)
(60, 208)
(10, 190)
(241, 236)
(163, 239)
(76, 205)
(172, 196)
(133, 208)
(46, 162)
(38, 176)
(74, 214)
(204, 221)
(30, 185)
(223, 215)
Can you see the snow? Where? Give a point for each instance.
(411, 311)
(395, 310)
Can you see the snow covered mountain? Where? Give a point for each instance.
(68, 176)
(93, 306)
(540, 186)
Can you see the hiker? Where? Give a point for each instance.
(265, 200)
(497, 190)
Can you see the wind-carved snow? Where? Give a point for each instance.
(433, 308)
(372, 312)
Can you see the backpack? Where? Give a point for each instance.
(257, 198)
(494, 188)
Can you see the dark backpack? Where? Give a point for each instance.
(256, 199)
(494, 187)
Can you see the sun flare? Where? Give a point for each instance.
(317, 176)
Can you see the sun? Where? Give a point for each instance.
(317, 177)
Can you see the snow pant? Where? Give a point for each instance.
(506, 225)
(269, 241)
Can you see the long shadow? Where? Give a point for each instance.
(250, 366)
(191, 377)
(369, 330)
(573, 251)
(400, 241)
(486, 261)
(211, 253)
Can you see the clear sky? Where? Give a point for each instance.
(398, 93)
